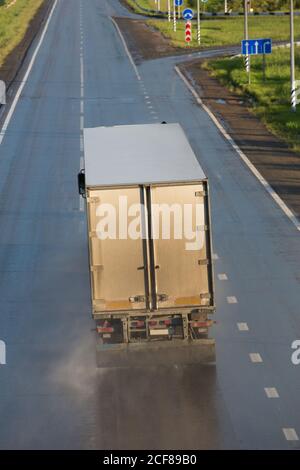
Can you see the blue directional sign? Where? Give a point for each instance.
(178, 3)
(256, 46)
(187, 14)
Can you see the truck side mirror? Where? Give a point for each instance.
(81, 183)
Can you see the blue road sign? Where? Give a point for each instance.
(187, 14)
(178, 3)
(256, 46)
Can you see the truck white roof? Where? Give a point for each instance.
(138, 154)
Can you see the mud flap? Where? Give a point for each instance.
(156, 353)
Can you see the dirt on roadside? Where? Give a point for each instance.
(144, 41)
(14, 61)
(278, 164)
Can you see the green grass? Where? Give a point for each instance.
(270, 98)
(14, 22)
(149, 4)
(229, 31)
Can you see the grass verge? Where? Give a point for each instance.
(148, 5)
(269, 97)
(14, 22)
(229, 31)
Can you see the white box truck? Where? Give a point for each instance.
(150, 247)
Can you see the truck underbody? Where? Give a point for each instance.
(127, 340)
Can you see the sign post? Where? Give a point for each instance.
(178, 3)
(198, 23)
(174, 16)
(169, 10)
(188, 32)
(257, 47)
(293, 76)
(246, 36)
(188, 15)
(264, 67)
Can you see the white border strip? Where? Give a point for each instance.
(23, 83)
(245, 159)
(126, 49)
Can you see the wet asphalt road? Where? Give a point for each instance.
(51, 393)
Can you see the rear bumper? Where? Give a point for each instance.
(156, 353)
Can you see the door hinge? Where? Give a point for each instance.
(205, 296)
(203, 262)
(137, 299)
(162, 297)
(201, 228)
(93, 200)
(200, 193)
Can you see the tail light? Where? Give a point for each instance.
(105, 327)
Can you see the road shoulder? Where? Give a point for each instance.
(272, 157)
(14, 61)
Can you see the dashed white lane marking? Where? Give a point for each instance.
(24, 81)
(222, 277)
(290, 434)
(232, 300)
(245, 159)
(126, 49)
(243, 326)
(255, 357)
(271, 392)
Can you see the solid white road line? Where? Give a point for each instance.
(255, 357)
(245, 159)
(126, 49)
(231, 299)
(243, 326)
(271, 392)
(290, 434)
(27, 73)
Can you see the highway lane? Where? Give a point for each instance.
(51, 393)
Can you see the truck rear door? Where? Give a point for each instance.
(180, 253)
(117, 261)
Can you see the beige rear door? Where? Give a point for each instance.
(117, 260)
(180, 246)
